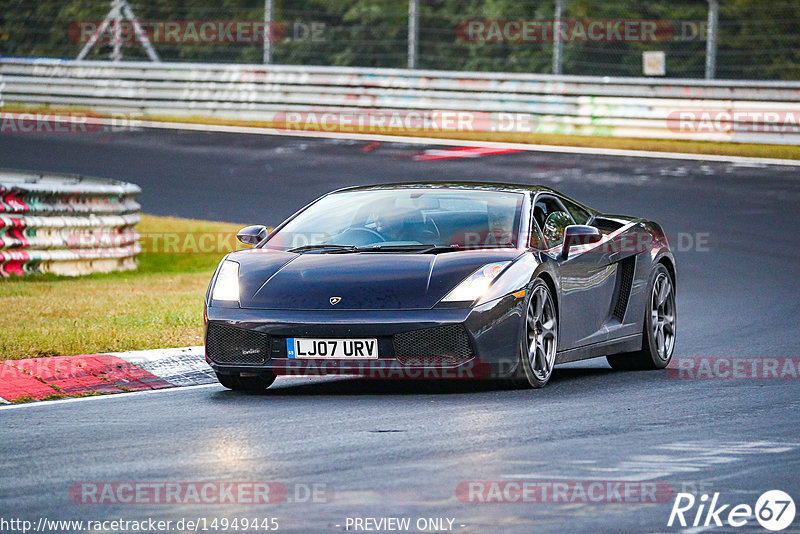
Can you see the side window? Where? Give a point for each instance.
(580, 215)
(539, 215)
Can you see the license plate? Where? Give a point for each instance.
(336, 349)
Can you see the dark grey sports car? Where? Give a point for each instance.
(441, 280)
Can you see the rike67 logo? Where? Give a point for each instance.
(774, 510)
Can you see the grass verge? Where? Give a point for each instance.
(158, 305)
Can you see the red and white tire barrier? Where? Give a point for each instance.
(66, 224)
(118, 372)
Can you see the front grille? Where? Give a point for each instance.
(626, 267)
(433, 347)
(225, 344)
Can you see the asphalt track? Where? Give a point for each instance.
(401, 449)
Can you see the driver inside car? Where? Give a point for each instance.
(395, 223)
(501, 227)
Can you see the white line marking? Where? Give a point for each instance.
(3, 401)
(460, 142)
(101, 397)
(632, 478)
(697, 530)
(682, 458)
(282, 381)
(136, 356)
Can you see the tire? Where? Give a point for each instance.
(246, 383)
(658, 337)
(539, 338)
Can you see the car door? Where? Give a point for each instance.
(587, 277)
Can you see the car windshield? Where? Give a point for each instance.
(393, 219)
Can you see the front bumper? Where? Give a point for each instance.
(480, 342)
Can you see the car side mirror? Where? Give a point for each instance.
(579, 234)
(252, 235)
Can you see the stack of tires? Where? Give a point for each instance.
(65, 224)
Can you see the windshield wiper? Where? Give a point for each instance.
(420, 249)
(324, 247)
(344, 249)
(480, 247)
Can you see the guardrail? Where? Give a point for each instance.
(735, 111)
(64, 224)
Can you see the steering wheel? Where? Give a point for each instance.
(431, 226)
(372, 233)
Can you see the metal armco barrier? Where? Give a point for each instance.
(68, 225)
(734, 111)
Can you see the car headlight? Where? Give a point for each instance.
(477, 283)
(226, 286)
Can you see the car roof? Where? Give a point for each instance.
(486, 186)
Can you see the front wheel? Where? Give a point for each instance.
(539, 337)
(246, 383)
(658, 336)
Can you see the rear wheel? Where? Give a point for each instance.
(246, 383)
(540, 337)
(658, 337)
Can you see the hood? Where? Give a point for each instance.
(271, 279)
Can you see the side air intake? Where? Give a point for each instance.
(624, 283)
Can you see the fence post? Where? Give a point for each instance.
(711, 39)
(558, 45)
(268, 9)
(413, 32)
